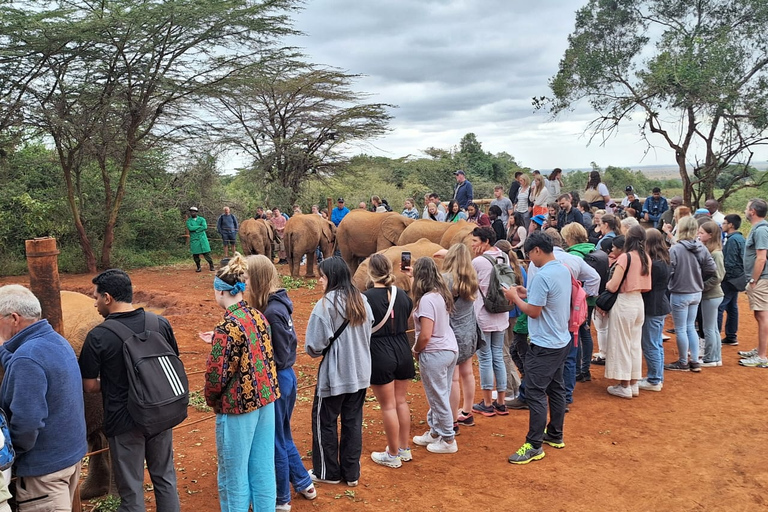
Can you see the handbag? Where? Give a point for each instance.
(740, 283)
(606, 299)
(393, 294)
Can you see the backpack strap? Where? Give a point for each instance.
(151, 323)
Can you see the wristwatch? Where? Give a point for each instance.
(750, 281)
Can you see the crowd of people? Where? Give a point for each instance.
(690, 265)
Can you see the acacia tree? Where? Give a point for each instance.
(127, 78)
(295, 120)
(696, 73)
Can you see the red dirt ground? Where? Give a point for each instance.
(698, 445)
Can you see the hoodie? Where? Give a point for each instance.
(346, 368)
(690, 265)
(278, 314)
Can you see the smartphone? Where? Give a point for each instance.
(505, 286)
(405, 260)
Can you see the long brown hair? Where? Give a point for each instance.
(656, 246)
(426, 279)
(263, 281)
(380, 271)
(613, 223)
(634, 240)
(715, 242)
(458, 263)
(338, 279)
(594, 180)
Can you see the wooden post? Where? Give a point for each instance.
(329, 202)
(43, 263)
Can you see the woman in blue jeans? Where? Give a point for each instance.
(690, 265)
(712, 295)
(657, 308)
(266, 295)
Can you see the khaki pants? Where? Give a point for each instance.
(53, 492)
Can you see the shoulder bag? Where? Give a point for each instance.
(393, 294)
(606, 299)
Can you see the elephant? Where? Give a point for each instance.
(257, 237)
(424, 228)
(459, 233)
(303, 234)
(362, 233)
(423, 247)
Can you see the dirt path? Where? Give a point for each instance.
(698, 445)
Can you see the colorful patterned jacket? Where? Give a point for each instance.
(240, 373)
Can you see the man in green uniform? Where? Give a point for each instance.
(198, 240)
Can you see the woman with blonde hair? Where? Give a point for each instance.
(712, 294)
(436, 349)
(391, 360)
(523, 204)
(540, 196)
(266, 295)
(631, 277)
(461, 279)
(339, 331)
(691, 265)
(241, 385)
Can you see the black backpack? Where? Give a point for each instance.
(158, 390)
(495, 301)
(598, 260)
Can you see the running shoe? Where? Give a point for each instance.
(730, 341)
(485, 410)
(466, 419)
(554, 442)
(515, 403)
(677, 366)
(386, 459)
(755, 362)
(310, 492)
(527, 453)
(404, 454)
(746, 354)
(500, 409)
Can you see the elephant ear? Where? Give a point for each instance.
(271, 232)
(329, 232)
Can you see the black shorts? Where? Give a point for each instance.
(391, 359)
(228, 237)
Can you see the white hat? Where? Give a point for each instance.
(193, 208)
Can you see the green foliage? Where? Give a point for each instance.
(197, 400)
(696, 73)
(109, 503)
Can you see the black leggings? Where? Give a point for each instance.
(207, 257)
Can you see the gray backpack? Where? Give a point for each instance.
(158, 390)
(495, 301)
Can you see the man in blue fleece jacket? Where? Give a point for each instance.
(42, 395)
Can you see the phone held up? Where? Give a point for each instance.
(405, 260)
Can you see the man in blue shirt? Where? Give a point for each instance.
(548, 309)
(463, 193)
(227, 228)
(733, 254)
(339, 212)
(655, 205)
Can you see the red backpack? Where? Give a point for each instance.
(578, 307)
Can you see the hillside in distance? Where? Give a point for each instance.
(663, 172)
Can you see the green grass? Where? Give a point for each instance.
(106, 504)
(197, 400)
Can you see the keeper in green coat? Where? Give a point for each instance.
(198, 240)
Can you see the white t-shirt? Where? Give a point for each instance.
(553, 186)
(432, 306)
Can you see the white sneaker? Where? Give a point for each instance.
(620, 391)
(440, 446)
(664, 337)
(404, 454)
(316, 478)
(385, 459)
(282, 507)
(426, 439)
(712, 364)
(635, 389)
(746, 354)
(353, 483)
(647, 386)
(310, 492)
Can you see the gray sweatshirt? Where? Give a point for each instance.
(347, 366)
(690, 265)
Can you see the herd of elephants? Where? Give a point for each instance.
(360, 234)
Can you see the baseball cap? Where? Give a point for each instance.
(193, 208)
(539, 219)
(459, 172)
(629, 189)
(340, 200)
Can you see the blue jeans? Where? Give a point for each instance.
(491, 359)
(712, 345)
(246, 457)
(586, 344)
(653, 348)
(730, 306)
(289, 469)
(684, 308)
(569, 371)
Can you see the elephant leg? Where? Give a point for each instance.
(98, 482)
(311, 263)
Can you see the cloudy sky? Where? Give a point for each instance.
(459, 66)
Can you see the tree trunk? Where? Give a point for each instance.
(85, 243)
(109, 228)
(680, 157)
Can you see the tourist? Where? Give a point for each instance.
(555, 182)
(455, 214)
(517, 235)
(339, 331)
(391, 361)
(410, 210)
(757, 287)
(475, 216)
(540, 196)
(735, 279)
(712, 294)
(523, 204)
(596, 193)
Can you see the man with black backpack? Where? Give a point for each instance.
(137, 429)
